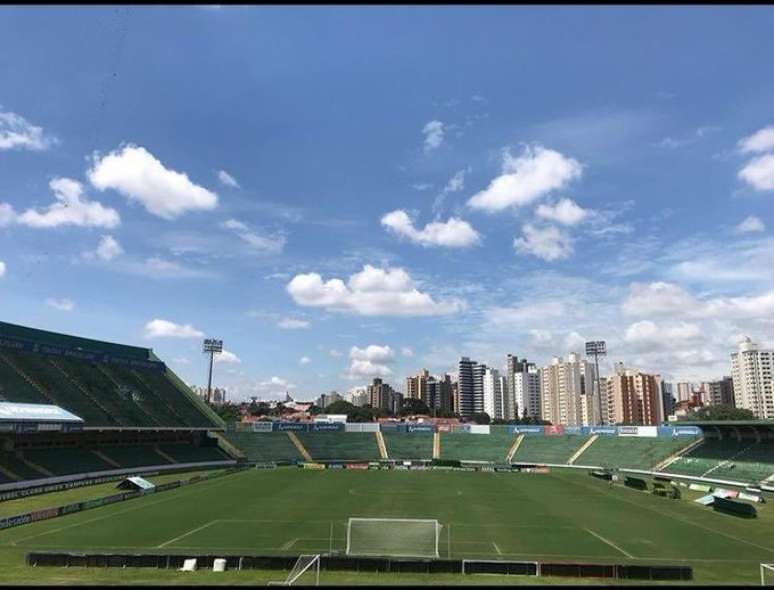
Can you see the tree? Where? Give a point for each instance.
(228, 412)
(411, 406)
(719, 413)
(314, 409)
(482, 418)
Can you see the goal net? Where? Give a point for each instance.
(306, 572)
(393, 537)
(767, 574)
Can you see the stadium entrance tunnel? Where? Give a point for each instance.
(368, 565)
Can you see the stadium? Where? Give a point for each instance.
(114, 471)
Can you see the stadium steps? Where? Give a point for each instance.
(152, 390)
(163, 454)
(265, 446)
(226, 445)
(92, 399)
(34, 466)
(556, 449)
(685, 450)
(409, 445)
(297, 443)
(46, 395)
(514, 448)
(436, 445)
(106, 459)
(155, 407)
(381, 444)
(8, 474)
(16, 387)
(728, 461)
(580, 451)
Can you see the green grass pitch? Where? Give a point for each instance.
(561, 516)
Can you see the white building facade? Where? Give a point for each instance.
(751, 371)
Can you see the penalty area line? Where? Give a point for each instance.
(497, 548)
(184, 535)
(610, 543)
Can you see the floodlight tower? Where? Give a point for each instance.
(597, 348)
(212, 347)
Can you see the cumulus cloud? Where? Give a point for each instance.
(760, 141)
(407, 351)
(138, 175)
(292, 324)
(549, 243)
(648, 335)
(749, 225)
(2, 269)
(454, 233)
(228, 180)
(60, 304)
(304, 360)
(18, 133)
(70, 208)
(433, 132)
(526, 178)
(522, 314)
(759, 173)
(107, 249)
(227, 357)
(371, 361)
(659, 298)
(370, 292)
(566, 212)
(259, 243)
(158, 328)
(456, 183)
(335, 353)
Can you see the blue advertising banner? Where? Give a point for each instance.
(519, 429)
(295, 426)
(420, 428)
(327, 427)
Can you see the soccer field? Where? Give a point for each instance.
(561, 516)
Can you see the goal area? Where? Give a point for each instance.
(306, 572)
(393, 537)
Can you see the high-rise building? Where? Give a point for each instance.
(493, 394)
(631, 397)
(326, 399)
(358, 397)
(684, 392)
(526, 392)
(439, 393)
(566, 392)
(668, 398)
(465, 385)
(514, 366)
(416, 387)
(456, 397)
(753, 382)
(384, 397)
(721, 393)
(479, 369)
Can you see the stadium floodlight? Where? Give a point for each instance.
(212, 347)
(303, 564)
(393, 537)
(767, 574)
(597, 348)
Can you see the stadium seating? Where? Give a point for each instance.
(135, 456)
(18, 467)
(67, 461)
(464, 446)
(548, 449)
(326, 446)
(184, 453)
(264, 447)
(415, 445)
(744, 460)
(630, 451)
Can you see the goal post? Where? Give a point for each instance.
(767, 574)
(393, 537)
(306, 571)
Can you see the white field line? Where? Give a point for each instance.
(497, 548)
(174, 496)
(289, 544)
(608, 542)
(191, 532)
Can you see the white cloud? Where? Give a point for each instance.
(371, 361)
(304, 360)
(227, 179)
(527, 313)
(165, 329)
(2, 269)
(275, 384)
(259, 243)
(227, 357)
(648, 335)
(18, 133)
(421, 186)
(138, 175)
(371, 292)
(454, 233)
(60, 304)
(760, 141)
(335, 353)
(750, 224)
(566, 212)
(433, 132)
(574, 342)
(526, 178)
(759, 173)
(549, 243)
(108, 248)
(456, 183)
(69, 209)
(407, 351)
(292, 324)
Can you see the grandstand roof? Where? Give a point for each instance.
(15, 331)
(12, 412)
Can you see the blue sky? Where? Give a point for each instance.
(340, 193)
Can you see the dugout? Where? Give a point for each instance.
(734, 508)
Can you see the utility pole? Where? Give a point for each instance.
(212, 347)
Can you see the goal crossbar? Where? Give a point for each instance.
(393, 537)
(766, 567)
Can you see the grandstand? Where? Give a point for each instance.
(631, 451)
(464, 446)
(548, 449)
(405, 446)
(73, 407)
(353, 446)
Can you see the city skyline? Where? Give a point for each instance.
(337, 205)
